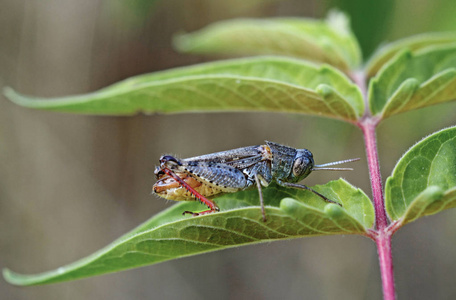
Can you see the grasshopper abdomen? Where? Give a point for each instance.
(219, 176)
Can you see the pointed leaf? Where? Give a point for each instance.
(424, 180)
(414, 80)
(329, 41)
(169, 235)
(253, 84)
(413, 43)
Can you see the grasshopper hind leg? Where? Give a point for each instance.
(210, 204)
(200, 213)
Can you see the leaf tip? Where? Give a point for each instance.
(339, 21)
(11, 277)
(181, 42)
(8, 92)
(15, 97)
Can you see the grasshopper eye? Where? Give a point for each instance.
(303, 164)
(300, 166)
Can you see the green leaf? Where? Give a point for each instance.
(413, 43)
(252, 84)
(431, 201)
(424, 180)
(329, 41)
(414, 80)
(291, 213)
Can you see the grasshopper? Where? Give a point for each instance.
(230, 171)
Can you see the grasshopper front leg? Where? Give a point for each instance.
(304, 187)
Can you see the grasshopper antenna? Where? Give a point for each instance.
(324, 166)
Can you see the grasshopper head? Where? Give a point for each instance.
(170, 162)
(303, 164)
(293, 165)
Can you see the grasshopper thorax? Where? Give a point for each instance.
(290, 164)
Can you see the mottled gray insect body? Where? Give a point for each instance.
(235, 170)
(221, 176)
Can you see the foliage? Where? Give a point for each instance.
(322, 77)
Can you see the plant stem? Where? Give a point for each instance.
(382, 233)
(368, 126)
(385, 258)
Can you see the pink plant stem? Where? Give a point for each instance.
(385, 258)
(368, 126)
(382, 233)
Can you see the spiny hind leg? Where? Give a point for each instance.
(209, 203)
(200, 213)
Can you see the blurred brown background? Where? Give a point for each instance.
(70, 184)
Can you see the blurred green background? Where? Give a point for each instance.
(70, 184)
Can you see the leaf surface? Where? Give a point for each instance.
(424, 180)
(291, 213)
(330, 41)
(251, 84)
(414, 80)
(413, 43)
